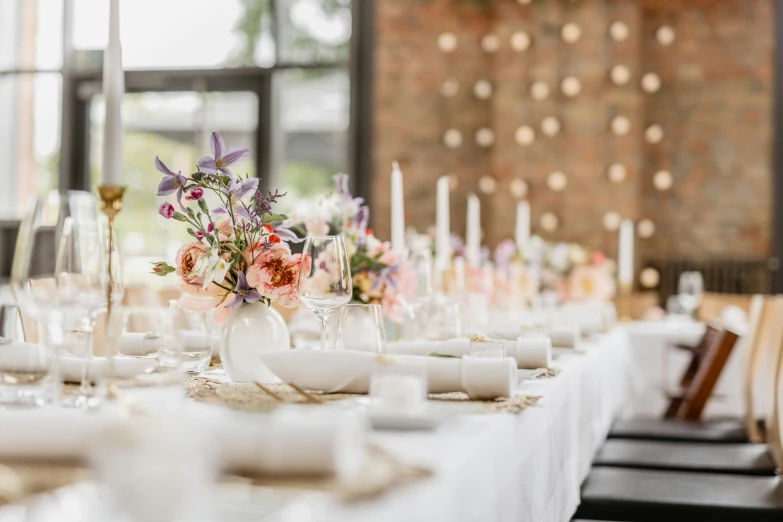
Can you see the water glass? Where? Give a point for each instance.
(327, 285)
(361, 328)
(187, 343)
(27, 370)
(488, 348)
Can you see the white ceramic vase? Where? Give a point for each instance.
(250, 329)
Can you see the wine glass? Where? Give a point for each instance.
(187, 343)
(58, 275)
(690, 288)
(326, 286)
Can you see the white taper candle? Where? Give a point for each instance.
(113, 91)
(442, 225)
(625, 255)
(473, 232)
(522, 232)
(397, 210)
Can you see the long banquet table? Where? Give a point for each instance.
(516, 467)
(524, 467)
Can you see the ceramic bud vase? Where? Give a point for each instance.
(250, 329)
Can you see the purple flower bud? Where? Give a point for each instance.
(210, 227)
(166, 210)
(199, 234)
(195, 194)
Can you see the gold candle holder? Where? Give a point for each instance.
(111, 205)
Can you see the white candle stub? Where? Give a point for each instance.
(400, 393)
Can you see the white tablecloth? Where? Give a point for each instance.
(526, 467)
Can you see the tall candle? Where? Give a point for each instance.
(113, 90)
(473, 232)
(442, 232)
(397, 210)
(625, 256)
(522, 232)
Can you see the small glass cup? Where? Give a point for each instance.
(398, 388)
(448, 320)
(141, 331)
(361, 328)
(187, 343)
(27, 371)
(490, 348)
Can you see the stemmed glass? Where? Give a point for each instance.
(71, 292)
(690, 288)
(326, 286)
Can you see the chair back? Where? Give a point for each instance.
(774, 428)
(703, 384)
(753, 343)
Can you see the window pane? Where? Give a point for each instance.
(311, 131)
(29, 138)
(174, 126)
(31, 34)
(181, 34)
(314, 31)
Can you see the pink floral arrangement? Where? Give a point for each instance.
(380, 275)
(238, 253)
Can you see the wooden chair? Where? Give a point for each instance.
(713, 304)
(731, 430)
(618, 493)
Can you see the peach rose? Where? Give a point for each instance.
(225, 229)
(198, 299)
(187, 258)
(275, 274)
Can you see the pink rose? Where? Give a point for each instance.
(195, 194)
(166, 210)
(187, 258)
(225, 229)
(316, 226)
(275, 273)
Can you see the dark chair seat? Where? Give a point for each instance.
(651, 496)
(740, 459)
(716, 431)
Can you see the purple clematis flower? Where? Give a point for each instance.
(171, 182)
(283, 231)
(244, 292)
(222, 158)
(237, 190)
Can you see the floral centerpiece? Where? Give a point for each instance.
(568, 269)
(380, 275)
(238, 251)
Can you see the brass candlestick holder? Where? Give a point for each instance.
(111, 205)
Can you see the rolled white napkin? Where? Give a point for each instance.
(148, 343)
(529, 352)
(139, 343)
(350, 371)
(286, 443)
(124, 367)
(564, 335)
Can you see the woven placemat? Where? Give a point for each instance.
(246, 396)
(381, 472)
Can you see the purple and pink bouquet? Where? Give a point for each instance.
(380, 275)
(238, 253)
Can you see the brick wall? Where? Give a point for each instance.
(714, 107)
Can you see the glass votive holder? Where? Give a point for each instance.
(361, 328)
(398, 388)
(489, 348)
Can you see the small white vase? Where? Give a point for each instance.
(250, 329)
